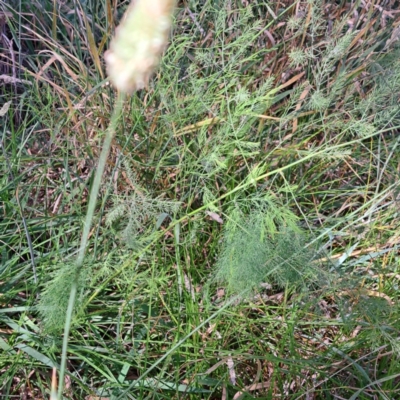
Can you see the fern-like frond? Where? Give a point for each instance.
(265, 245)
(53, 303)
(135, 213)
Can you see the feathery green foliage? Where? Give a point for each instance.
(265, 246)
(54, 299)
(137, 213)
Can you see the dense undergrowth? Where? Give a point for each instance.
(246, 240)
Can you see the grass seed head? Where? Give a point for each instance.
(138, 44)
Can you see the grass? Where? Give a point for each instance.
(264, 151)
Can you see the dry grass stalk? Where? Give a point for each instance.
(10, 79)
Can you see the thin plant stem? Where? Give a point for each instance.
(86, 230)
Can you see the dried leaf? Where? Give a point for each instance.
(215, 217)
(231, 369)
(5, 108)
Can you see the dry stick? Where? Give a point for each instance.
(86, 230)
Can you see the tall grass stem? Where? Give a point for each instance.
(110, 133)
